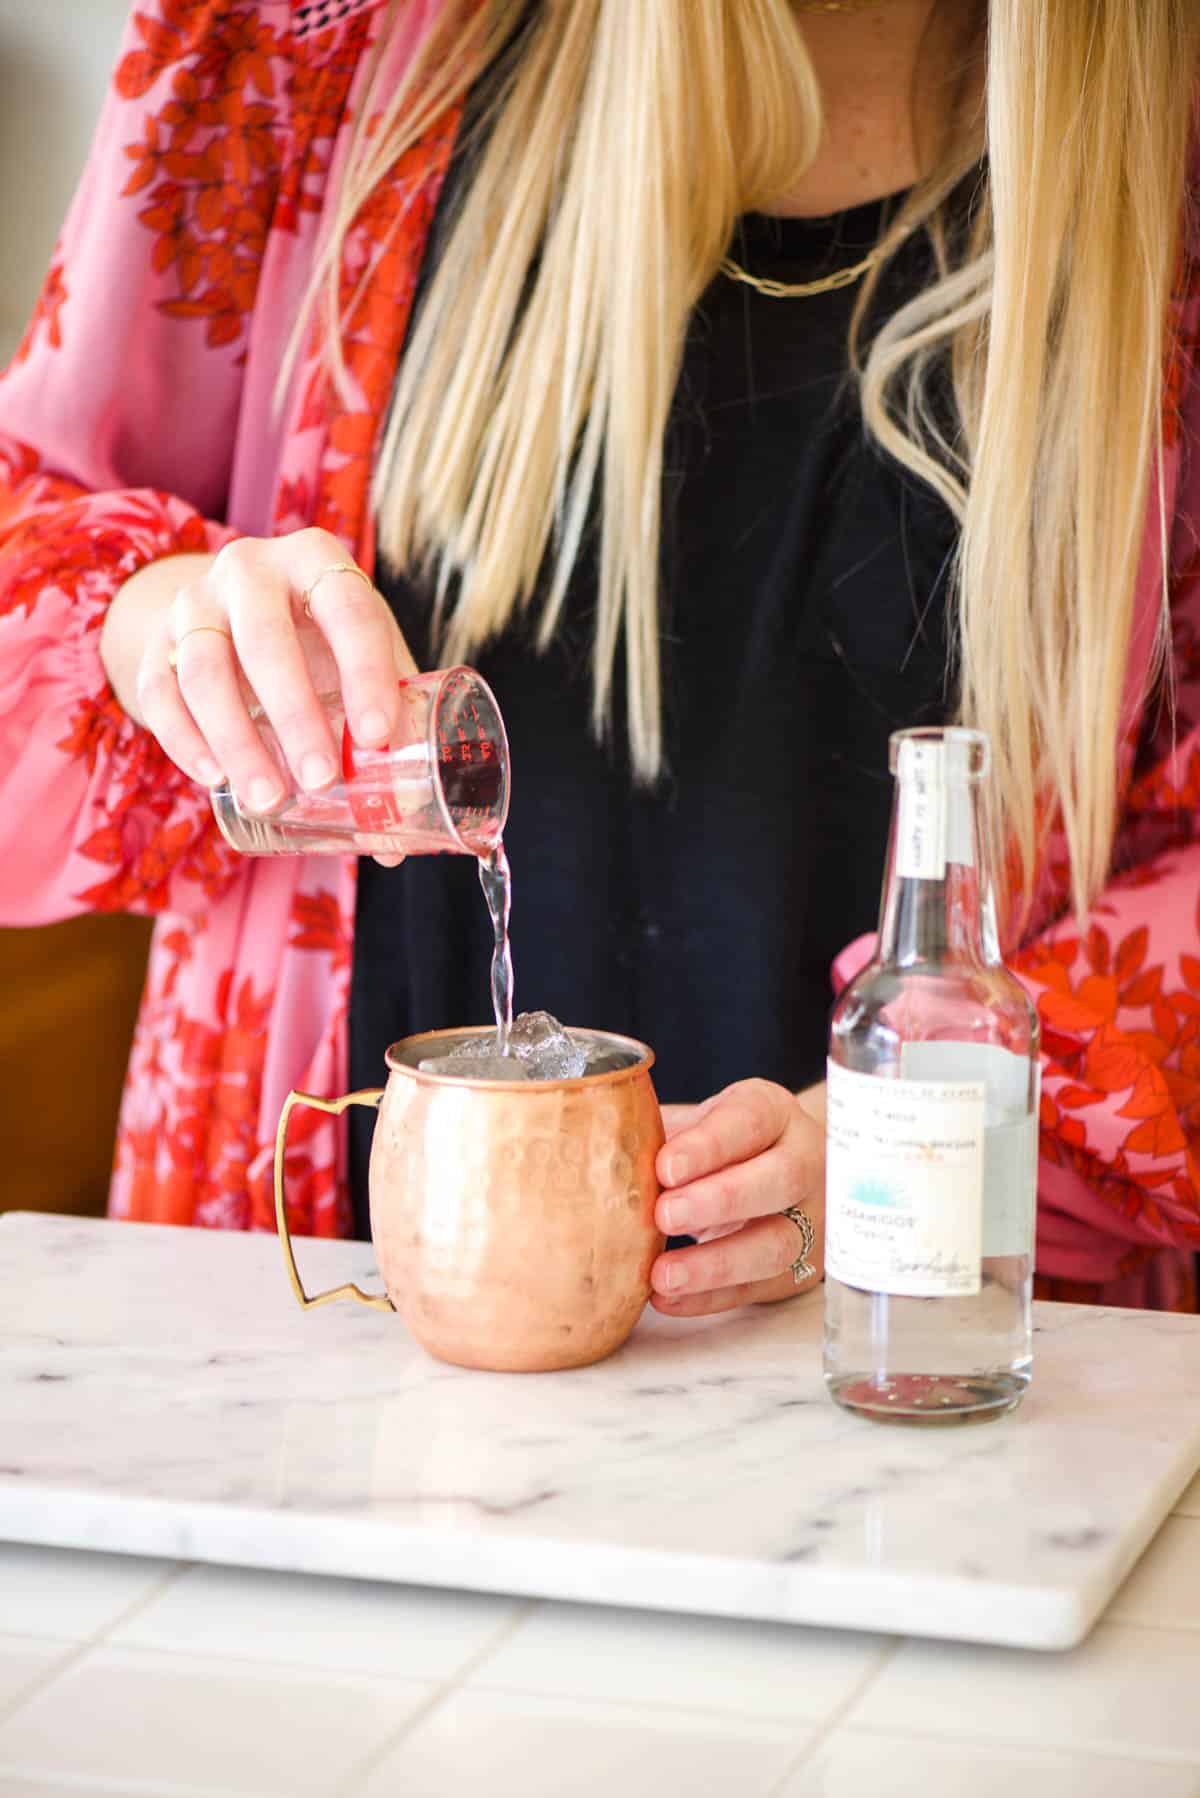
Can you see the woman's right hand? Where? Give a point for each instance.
(235, 623)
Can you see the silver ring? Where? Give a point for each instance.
(802, 1268)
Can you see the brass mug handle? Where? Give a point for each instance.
(379, 1301)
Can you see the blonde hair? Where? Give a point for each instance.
(623, 140)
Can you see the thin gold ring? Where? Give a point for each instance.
(334, 568)
(173, 652)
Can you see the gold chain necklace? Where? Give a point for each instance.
(802, 290)
(845, 277)
(783, 290)
(835, 5)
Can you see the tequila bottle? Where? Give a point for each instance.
(932, 1123)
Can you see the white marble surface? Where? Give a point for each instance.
(161, 1394)
(121, 1676)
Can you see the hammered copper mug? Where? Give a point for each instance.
(513, 1222)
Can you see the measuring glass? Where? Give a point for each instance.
(440, 786)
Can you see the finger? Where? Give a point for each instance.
(730, 1298)
(206, 669)
(740, 1122)
(165, 713)
(354, 619)
(790, 1173)
(258, 601)
(678, 1117)
(389, 861)
(764, 1250)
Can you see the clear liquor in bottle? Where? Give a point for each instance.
(932, 1123)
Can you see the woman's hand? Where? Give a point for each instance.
(728, 1169)
(234, 623)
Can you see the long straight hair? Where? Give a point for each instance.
(623, 139)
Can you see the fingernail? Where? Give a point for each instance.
(673, 1276)
(372, 727)
(264, 793)
(209, 773)
(316, 770)
(675, 1169)
(673, 1216)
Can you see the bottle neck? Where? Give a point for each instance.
(935, 894)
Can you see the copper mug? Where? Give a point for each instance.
(513, 1222)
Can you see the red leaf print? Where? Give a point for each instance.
(137, 72)
(1072, 1132)
(1063, 1011)
(303, 1124)
(51, 300)
(354, 433)
(1166, 1024)
(210, 209)
(1076, 1097)
(104, 845)
(201, 1048)
(224, 984)
(159, 40)
(1147, 1098)
(1158, 1136)
(1101, 993)
(1066, 1051)
(141, 177)
(1097, 949)
(1189, 967)
(1148, 1044)
(1132, 953)
(1184, 1090)
(1144, 989)
(318, 924)
(1111, 1063)
(252, 1013)
(223, 330)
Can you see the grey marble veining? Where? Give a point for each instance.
(161, 1392)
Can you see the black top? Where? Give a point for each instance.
(803, 619)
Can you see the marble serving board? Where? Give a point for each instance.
(162, 1393)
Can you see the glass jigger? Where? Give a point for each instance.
(441, 785)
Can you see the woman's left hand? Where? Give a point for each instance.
(728, 1168)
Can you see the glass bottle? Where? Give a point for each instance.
(933, 1082)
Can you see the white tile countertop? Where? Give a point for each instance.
(124, 1676)
(161, 1393)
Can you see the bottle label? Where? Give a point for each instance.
(921, 822)
(904, 1173)
(1010, 1144)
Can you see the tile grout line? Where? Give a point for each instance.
(1132, 1756)
(359, 1774)
(1140, 1754)
(99, 1785)
(837, 1716)
(79, 1647)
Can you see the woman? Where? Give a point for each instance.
(571, 293)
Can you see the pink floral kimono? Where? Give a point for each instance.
(136, 421)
